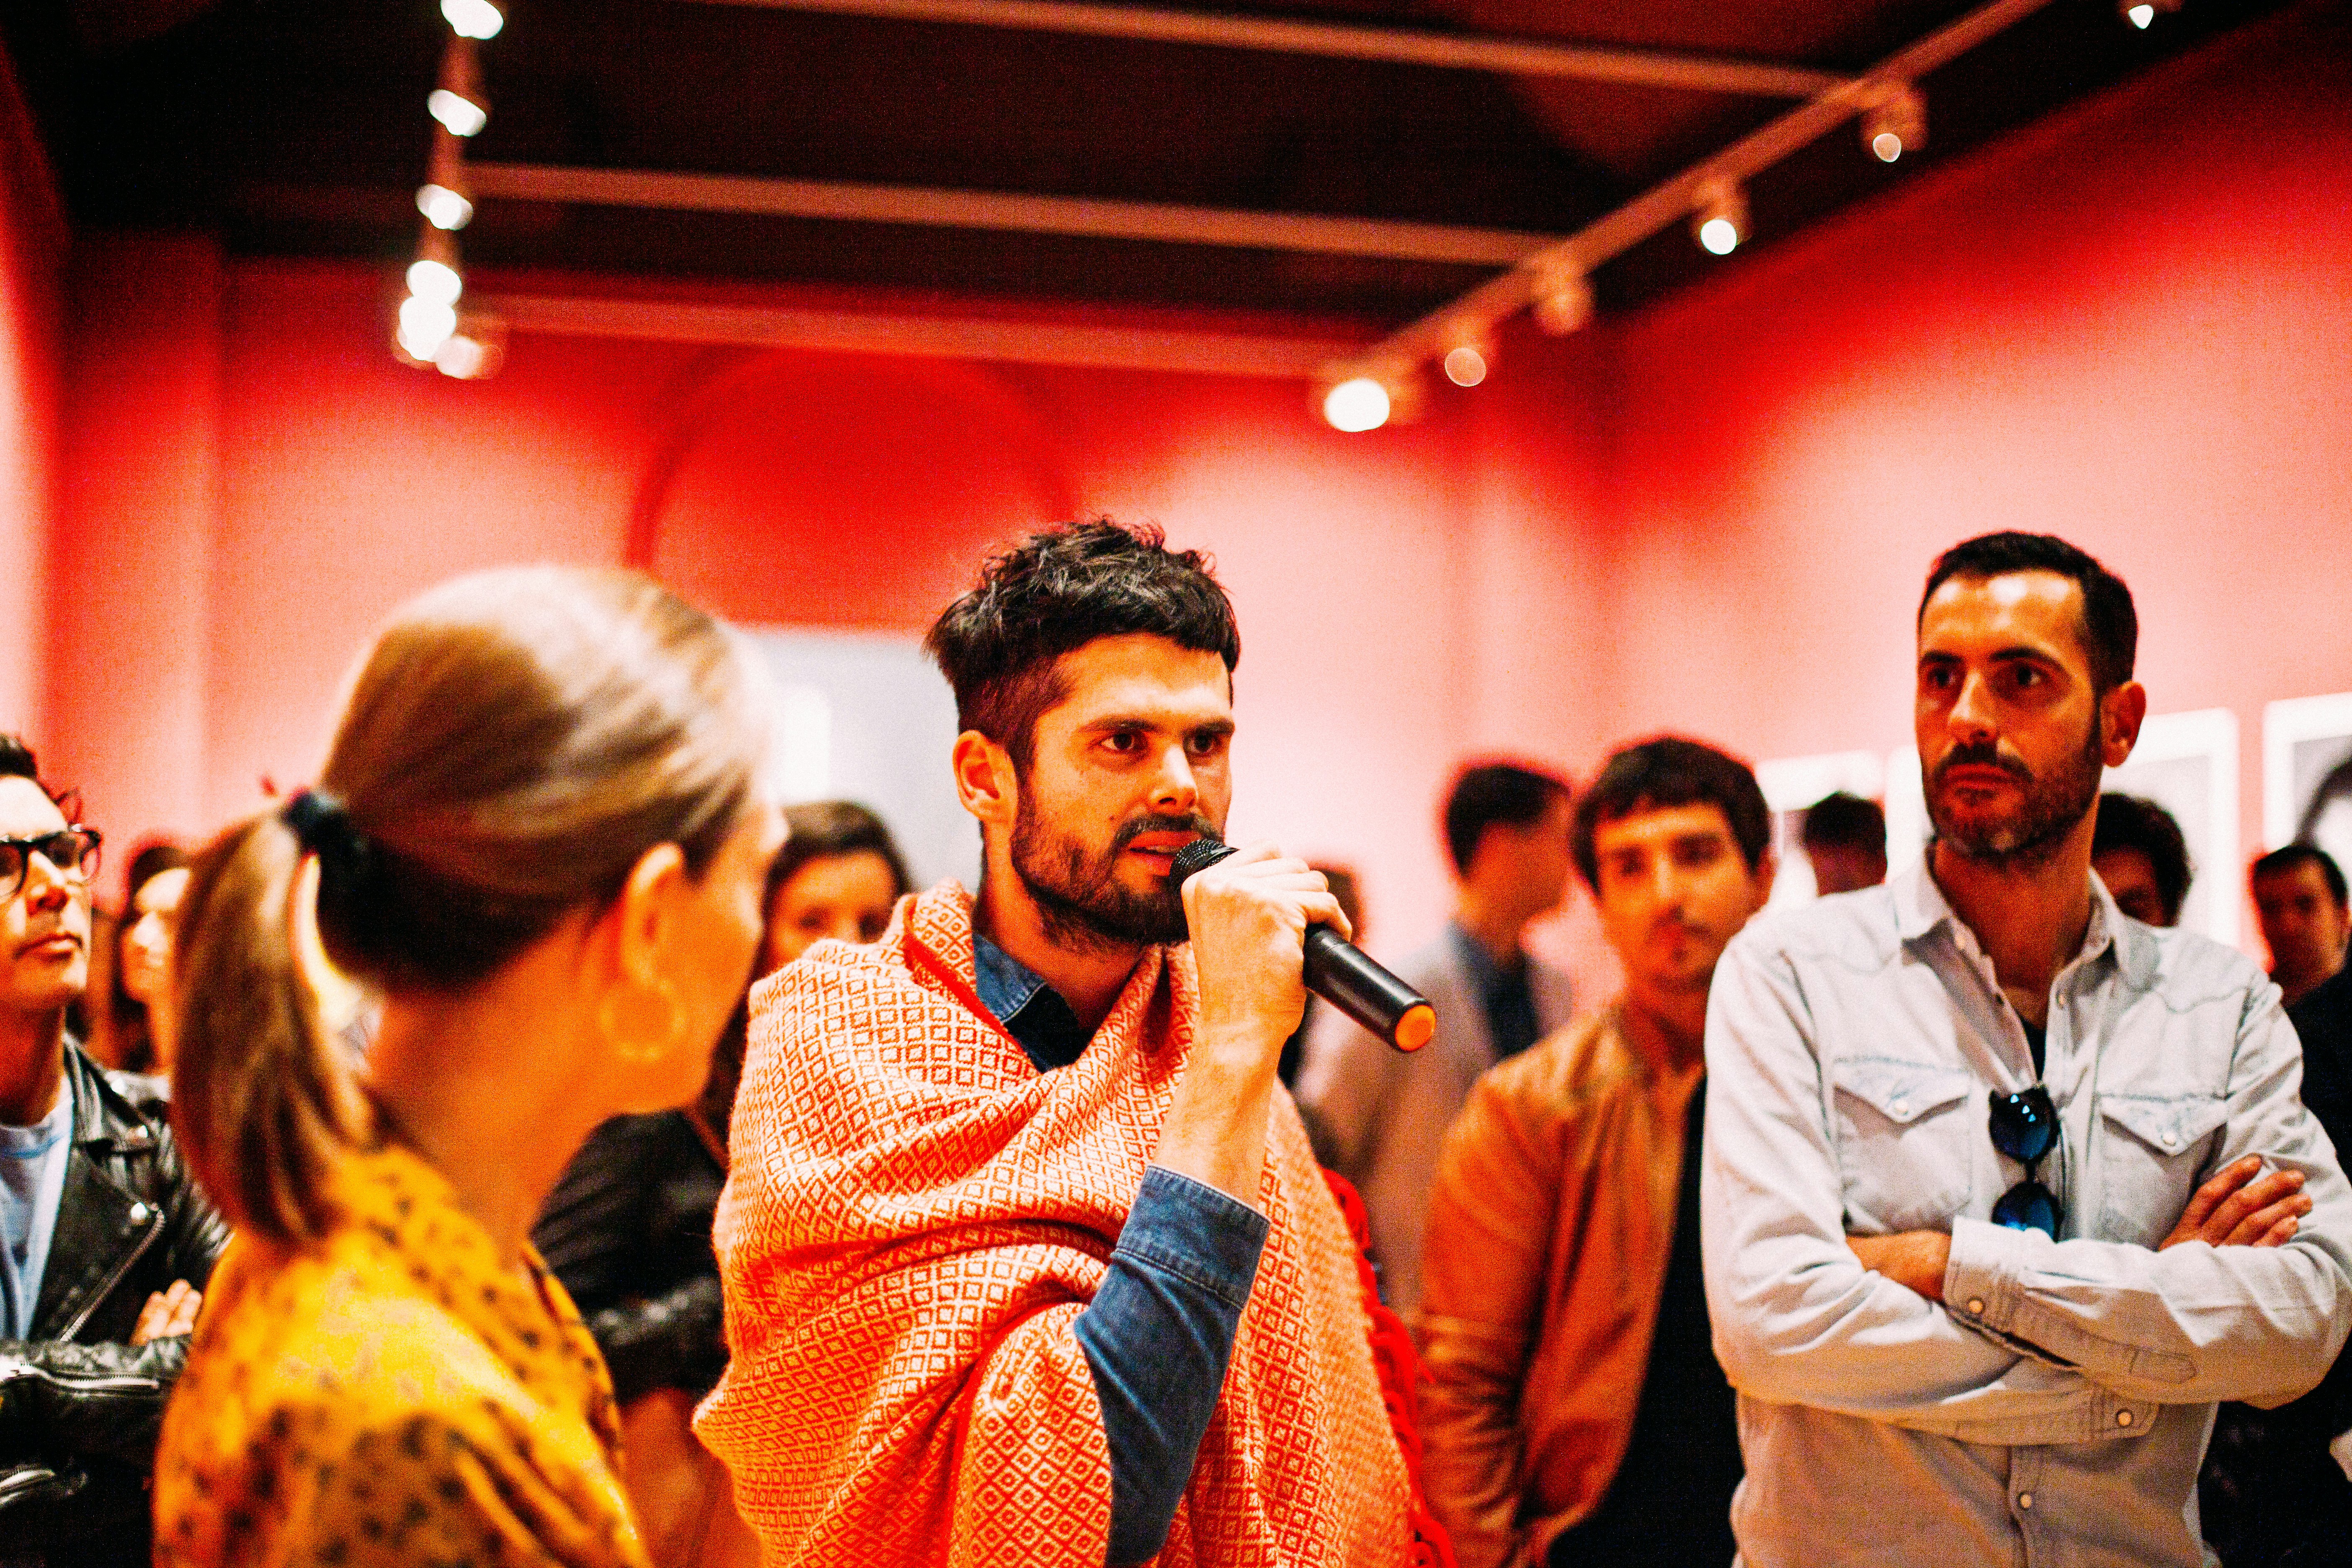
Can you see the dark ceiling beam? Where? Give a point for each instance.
(1153, 221)
(1474, 316)
(1452, 51)
(938, 337)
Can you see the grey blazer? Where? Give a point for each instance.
(1383, 1113)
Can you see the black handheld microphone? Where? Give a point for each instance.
(1338, 970)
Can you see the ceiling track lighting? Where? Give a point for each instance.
(459, 102)
(431, 330)
(1719, 218)
(1896, 124)
(1555, 281)
(2141, 13)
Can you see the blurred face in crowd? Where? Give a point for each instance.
(2012, 735)
(45, 921)
(1523, 867)
(2131, 878)
(155, 918)
(844, 897)
(1130, 766)
(1845, 867)
(2303, 925)
(1674, 890)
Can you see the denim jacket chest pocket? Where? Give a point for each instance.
(2154, 1146)
(1904, 1140)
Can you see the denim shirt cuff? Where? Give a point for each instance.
(1197, 1233)
(1982, 1278)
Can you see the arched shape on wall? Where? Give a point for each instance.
(782, 456)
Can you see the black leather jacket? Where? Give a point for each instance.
(79, 1407)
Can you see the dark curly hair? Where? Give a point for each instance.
(1053, 593)
(1669, 772)
(2131, 822)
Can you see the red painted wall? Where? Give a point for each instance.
(2130, 325)
(32, 237)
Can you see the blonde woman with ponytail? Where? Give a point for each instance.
(541, 836)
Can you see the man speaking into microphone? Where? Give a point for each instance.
(1026, 1259)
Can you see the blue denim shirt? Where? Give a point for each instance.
(1160, 1332)
(2050, 1411)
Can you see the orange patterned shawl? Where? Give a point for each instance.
(915, 1218)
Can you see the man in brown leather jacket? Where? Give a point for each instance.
(1576, 1414)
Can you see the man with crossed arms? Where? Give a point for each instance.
(1960, 1266)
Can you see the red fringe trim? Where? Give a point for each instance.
(1400, 1370)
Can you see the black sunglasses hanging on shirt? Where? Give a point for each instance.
(2025, 1128)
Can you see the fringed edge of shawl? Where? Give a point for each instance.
(1399, 1374)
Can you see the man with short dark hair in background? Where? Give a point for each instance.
(2141, 859)
(2003, 1191)
(1846, 842)
(1575, 1412)
(2307, 919)
(105, 1241)
(1382, 1112)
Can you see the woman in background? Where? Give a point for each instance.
(138, 1001)
(628, 1227)
(838, 877)
(543, 835)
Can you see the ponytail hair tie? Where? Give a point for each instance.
(324, 826)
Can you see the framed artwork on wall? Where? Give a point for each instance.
(2188, 764)
(1791, 786)
(866, 717)
(2307, 774)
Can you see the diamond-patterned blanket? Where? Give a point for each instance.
(914, 1219)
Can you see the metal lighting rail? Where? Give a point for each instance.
(1023, 213)
(1516, 57)
(1023, 342)
(1475, 312)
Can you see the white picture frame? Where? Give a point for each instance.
(1791, 786)
(2306, 751)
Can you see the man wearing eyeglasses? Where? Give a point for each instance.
(2003, 1192)
(105, 1241)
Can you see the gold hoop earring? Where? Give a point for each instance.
(626, 1017)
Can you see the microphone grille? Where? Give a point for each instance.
(1197, 855)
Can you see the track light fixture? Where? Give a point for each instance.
(473, 18)
(1356, 404)
(1466, 362)
(1896, 124)
(1563, 300)
(445, 198)
(1720, 218)
(2142, 13)
(459, 102)
(475, 350)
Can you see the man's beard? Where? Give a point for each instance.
(2051, 809)
(1084, 906)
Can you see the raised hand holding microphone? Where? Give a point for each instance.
(1338, 970)
(1249, 915)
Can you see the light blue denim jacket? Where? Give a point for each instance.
(2056, 1409)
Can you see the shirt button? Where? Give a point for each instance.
(2123, 1417)
(2171, 1140)
(138, 1213)
(2025, 1499)
(1902, 1108)
(1976, 1305)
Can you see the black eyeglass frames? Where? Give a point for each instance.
(2025, 1128)
(73, 851)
